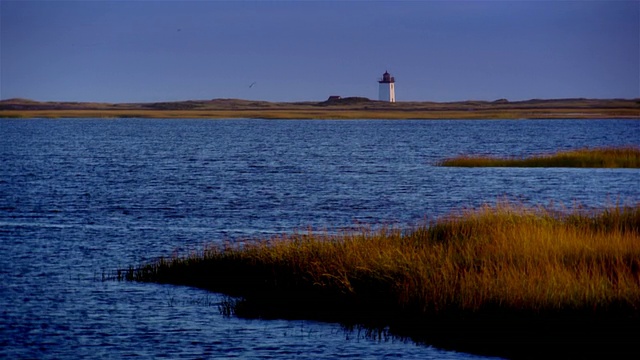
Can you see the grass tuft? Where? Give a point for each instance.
(535, 275)
(603, 157)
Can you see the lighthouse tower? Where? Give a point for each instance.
(387, 91)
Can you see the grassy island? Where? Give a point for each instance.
(604, 157)
(504, 280)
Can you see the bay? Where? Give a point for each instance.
(82, 197)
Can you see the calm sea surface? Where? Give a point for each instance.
(82, 197)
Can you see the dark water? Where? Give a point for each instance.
(80, 197)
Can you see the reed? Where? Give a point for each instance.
(602, 157)
(515, 268)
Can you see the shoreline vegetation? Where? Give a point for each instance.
(505, 280)
(343, 108)
(602, 157)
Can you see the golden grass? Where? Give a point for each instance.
(508, 266)
(602, 157)
(517, 258)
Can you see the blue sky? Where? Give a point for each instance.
(143, 51)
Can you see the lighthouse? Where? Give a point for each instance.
(387, 91)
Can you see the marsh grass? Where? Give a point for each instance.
(530, 274)
(602, 157)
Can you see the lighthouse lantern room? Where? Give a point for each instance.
(387, 91)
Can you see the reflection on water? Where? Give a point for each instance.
(83, 197)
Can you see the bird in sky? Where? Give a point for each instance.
(253, 83)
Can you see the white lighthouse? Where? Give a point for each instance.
(387, 91)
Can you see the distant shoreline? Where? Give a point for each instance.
(345, 108)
